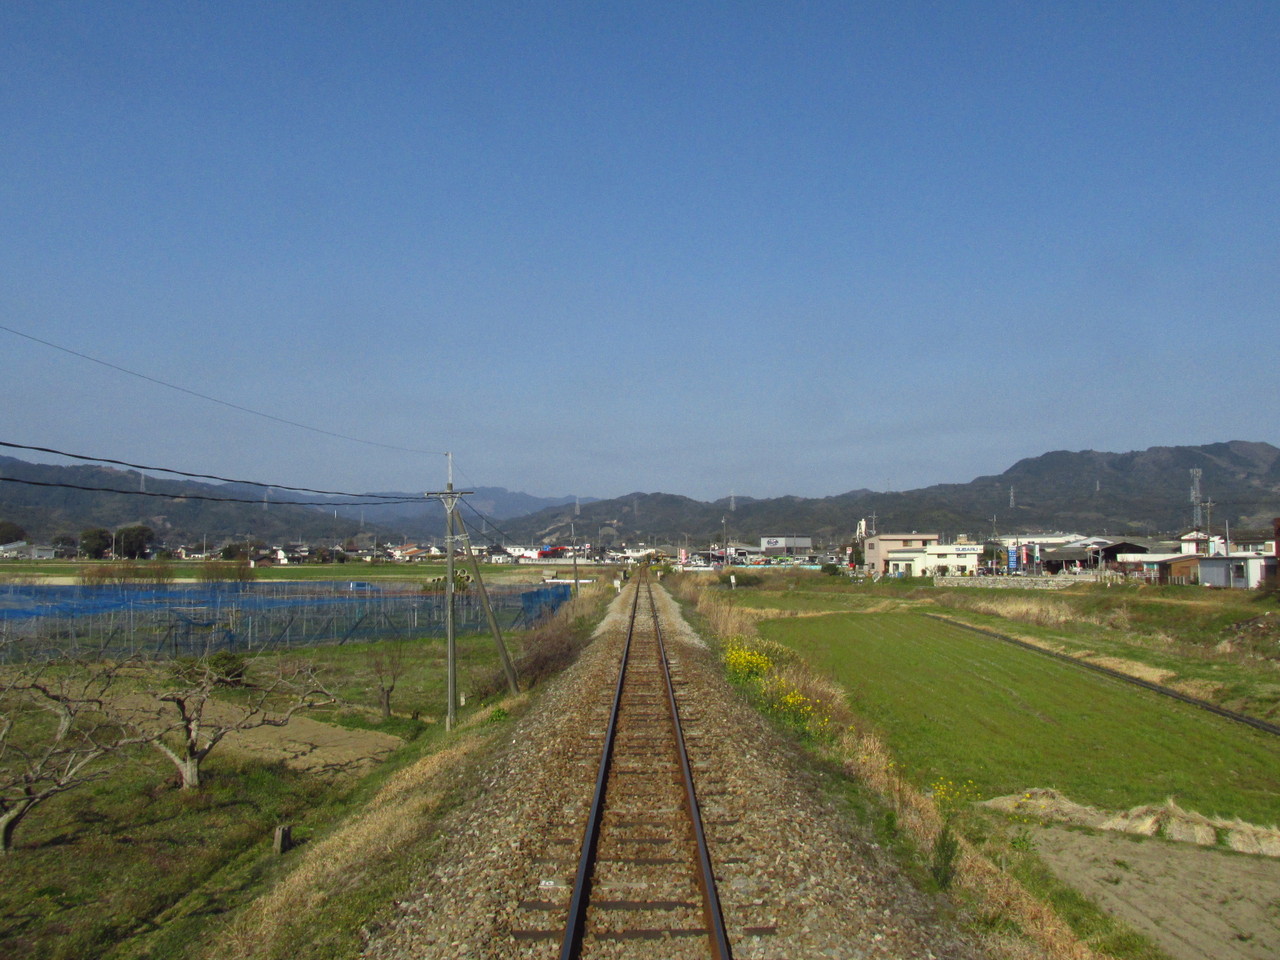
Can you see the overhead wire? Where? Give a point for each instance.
(217, 400)
(488, 520)
(199, 496)
(396, 498)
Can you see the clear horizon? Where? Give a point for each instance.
(687, 248)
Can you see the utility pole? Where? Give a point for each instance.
(1231, 580)
(1196, 473)
(574, 537)
(454, 525)
(450, 501)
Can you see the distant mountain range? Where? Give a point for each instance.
(1140, 493)
(52, 503)
(1125, 494)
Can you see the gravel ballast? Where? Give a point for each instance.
(796, 879)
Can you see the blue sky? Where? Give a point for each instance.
(597, 248)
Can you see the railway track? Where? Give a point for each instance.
(644, 883)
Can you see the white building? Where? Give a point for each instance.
(1044, 539)
(21, 550)
(935, 560)
(876, 550)
(786, 546)
(1244, 571)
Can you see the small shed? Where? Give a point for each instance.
(1242, 571)
(1182, 569)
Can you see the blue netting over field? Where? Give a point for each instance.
(184, 620)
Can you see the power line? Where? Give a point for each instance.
(203, 396)
(201, 476)
(199, 496)
(489, 520)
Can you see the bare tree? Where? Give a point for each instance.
(386, 665)
(188, 722)
(55, 729)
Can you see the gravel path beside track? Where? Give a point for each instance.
(784, 859)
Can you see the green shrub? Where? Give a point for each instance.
(946, 850)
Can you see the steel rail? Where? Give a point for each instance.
(575, 926)
(706, 878)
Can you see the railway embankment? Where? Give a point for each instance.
(797, 877)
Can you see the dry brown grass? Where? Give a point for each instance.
(398, 818)
(997, 893)
(1042, 611)
(553, 644)
(724, 619)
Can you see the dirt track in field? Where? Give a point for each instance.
(316, 747)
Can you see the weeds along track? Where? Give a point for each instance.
(643, 870)
(795, 877)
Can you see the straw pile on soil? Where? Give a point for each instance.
(1166, 820)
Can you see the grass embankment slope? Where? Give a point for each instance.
(132, 867)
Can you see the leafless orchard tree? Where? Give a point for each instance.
(387, 665)
(186, 722)
(55, 731)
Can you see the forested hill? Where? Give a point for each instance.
(45, 512)
(53, 505)
(1138, 493)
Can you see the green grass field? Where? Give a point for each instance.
(1198, 636)
(954, 704)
